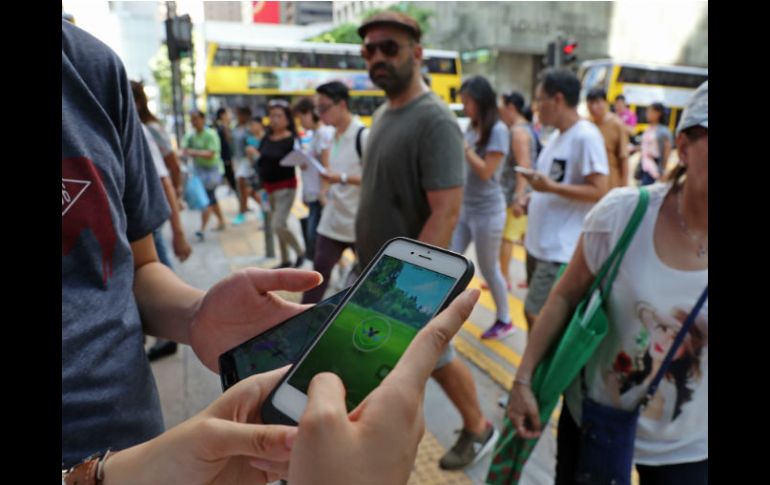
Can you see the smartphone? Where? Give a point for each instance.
(398, 293)
(524, 171)
(278, 346)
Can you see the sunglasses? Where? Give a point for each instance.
(389, 48)
(278, 103)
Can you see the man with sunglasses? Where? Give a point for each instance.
(412, 185)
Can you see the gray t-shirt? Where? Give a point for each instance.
(486, 196)
(161, 138)
(411, 150)
(111, 197)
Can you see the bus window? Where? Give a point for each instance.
(365, 105)
(636, 75)
(223, 57)
(441, 65)
(250, 58)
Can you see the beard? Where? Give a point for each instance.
(392, 79)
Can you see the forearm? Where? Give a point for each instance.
(176, 223)
(438, 228)
(482, 168)
(580, 193)
(132, 465)
(166, 303)
(206, 154)
(521, 186)
(172, 164)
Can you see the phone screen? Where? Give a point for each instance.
(278, 346)
(372, 331)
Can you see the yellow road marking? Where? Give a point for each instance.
(498, 348)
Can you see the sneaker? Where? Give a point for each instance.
(469, 448)
(199, 235)
(503, 401)
(239, 219)
(498, 330)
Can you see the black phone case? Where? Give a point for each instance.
(271, 415)
(226, 361)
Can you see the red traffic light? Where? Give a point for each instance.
(570, 48)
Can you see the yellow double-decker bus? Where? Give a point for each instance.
(642, 85)
(252, 74)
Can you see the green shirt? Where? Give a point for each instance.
(410, 151)
(205, 140)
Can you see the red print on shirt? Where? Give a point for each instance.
(84, 205)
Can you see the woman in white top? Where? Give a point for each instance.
(336, 231)
(664, 271)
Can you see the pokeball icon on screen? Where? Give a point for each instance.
(371, 334)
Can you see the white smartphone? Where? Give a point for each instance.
(401, 290)
(524, 171)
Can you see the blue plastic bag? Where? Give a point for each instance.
(195, 193)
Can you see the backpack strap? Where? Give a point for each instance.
(358, 142)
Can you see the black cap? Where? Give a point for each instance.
(395, 19)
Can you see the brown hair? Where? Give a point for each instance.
(137, 89)
(678, 173)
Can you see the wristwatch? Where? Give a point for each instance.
(344, 178)
(88, 472)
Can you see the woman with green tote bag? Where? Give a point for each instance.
(661, 276)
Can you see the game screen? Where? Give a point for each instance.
(374, 329)
(282, 345)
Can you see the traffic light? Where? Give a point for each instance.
(568, 54)
(550, 55)
(179, 37)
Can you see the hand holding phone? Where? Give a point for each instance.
(377, 443)
(219, 324)
(404, 286)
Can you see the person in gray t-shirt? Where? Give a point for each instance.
(412, 185)
(482, 217)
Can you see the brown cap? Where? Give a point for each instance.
(395, 19)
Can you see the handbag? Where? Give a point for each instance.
(608, 434)
(194, 192)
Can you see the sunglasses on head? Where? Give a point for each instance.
(389, 48)
(278, 103)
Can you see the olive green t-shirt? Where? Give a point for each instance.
(411, 150)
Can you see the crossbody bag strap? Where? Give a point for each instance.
(674, 347)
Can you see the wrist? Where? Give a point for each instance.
(343, 178)
(522, 381)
